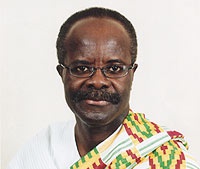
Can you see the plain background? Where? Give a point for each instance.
(166, 84)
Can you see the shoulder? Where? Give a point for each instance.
(38, 153)
(169, 148)
(173, 152)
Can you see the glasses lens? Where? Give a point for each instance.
(81, 71)
(115, 70)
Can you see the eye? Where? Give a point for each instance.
(80, 69)
(115, 68)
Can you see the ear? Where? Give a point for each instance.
(60, 70)
(135, 67)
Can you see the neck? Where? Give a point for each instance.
(88, 137)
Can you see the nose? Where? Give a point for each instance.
(98, 80)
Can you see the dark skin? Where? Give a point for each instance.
(97, 42)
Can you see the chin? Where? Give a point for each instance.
(96, 115)
(95, 118)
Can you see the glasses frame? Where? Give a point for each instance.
(94, 69)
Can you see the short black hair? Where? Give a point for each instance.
(97, 13)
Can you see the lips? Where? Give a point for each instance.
(97, 102)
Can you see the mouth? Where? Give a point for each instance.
(97, 102)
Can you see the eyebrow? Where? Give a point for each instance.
(76, 62)
(115, 61)
(84, 62)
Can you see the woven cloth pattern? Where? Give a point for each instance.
(138, 142)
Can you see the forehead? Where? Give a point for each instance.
(100, 28)
(97, 36)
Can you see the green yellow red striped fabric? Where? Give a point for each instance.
(139, 144)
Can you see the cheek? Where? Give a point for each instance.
(123, 85)
(72, 83)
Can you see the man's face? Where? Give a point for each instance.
(97, 100)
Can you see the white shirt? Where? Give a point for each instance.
(53, 148)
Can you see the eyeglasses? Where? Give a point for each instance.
(111, 71)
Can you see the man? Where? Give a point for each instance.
(97, 51)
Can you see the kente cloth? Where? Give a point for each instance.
(139, 144)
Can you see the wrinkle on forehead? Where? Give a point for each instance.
(88, 47)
